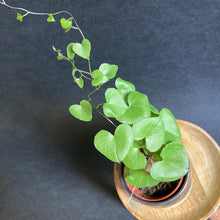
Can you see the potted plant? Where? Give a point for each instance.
(154, 166)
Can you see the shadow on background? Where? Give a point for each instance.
(75, 139)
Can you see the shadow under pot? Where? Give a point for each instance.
(161, 194)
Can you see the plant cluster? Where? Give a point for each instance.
(146, 140)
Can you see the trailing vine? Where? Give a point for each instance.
(146, 140)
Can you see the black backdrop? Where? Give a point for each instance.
(49, 168)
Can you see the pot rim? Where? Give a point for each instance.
(181, 190)
(153, 199)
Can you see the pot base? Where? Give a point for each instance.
(204, 196)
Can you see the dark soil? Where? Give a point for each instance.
(160, 190)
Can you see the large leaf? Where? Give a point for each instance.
(66, 24)
(83, 49)
(114, 147)
(104, 74)
(135, 159)
(139, 178)
(138, 108)
(172, 131)
(115, 105)
(152, 129)
(69, 51)
(174, 165)
(124, 87)
(83, 111)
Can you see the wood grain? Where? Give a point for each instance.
(204, 195)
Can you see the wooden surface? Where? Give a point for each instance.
(204, 196)
(215, 215)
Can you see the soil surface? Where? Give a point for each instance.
(160, 190)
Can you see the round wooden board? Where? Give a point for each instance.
(204, 196)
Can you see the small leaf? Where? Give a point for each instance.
(83, 111)
(69, 51)
(135, 159)
(114, 147)
(66, 24)
(174, 165)
(50, 18)
(104, 74)
(59, 56)
(172, 131)
(139, 178)
(54, 48)
(19, 17)
(124, 87)
(79, 82)
(83, 49)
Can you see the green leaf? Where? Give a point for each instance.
(50, 18)
(172, 131)
(66, 24)
(116, 147)
(83, 111)
(69, 51)
(135, 159)
(174, 165)
(59, 56)
(154, 110)
(138, 108)
(83, 49)
(19, 17)
(54, 48)
(79, 81)
(139, 178)
(124, 87)
(152, 129)
(104, 74)
(115, 105)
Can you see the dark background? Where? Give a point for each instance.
(49, 168)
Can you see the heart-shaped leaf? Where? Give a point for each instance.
(115, 105)
(104, 74)
(139, 178)
(83, 111)
(135, 159)
(138, 108)
(174, 165)
(66, 24)
(152, 129)
(50, 18)
(124, 87)
(172, 131)
(116, 147)
(83, 49)
(69, 51)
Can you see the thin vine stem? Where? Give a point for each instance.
(93, 104)
(46, 14)
(82, 72)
